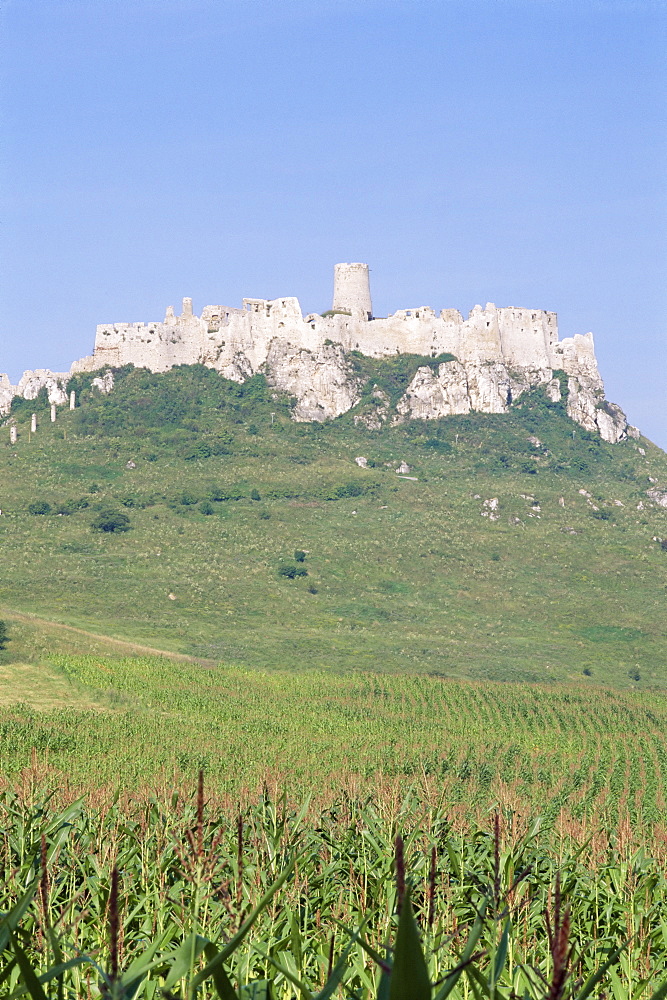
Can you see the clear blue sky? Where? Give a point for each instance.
(510, 151)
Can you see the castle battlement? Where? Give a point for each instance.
(513, 347)
(232, 340)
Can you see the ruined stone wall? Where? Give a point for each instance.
(500, 352)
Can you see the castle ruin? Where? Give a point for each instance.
(499, 352)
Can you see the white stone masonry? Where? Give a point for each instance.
(500, 352)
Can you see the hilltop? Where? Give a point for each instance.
(482, 364)
(515, 546)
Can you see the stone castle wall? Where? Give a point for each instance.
(500, 353)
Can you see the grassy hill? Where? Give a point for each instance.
(425, 574)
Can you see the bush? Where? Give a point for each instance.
(299, 555)
(254, 495)
(188, 499)
(111, 521)
(290, 571)
(663, 544)
(200, 450)
(442, 446)
(71, 506)
(39, 507)
(220, 447)
(206, 507)
(4, 635)
(602, 515)
(348, 490)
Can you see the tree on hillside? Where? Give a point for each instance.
(4, 635)
(111, 520)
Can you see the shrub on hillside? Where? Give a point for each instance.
(352, 489)
(132, 501)
(188, 499)
(290, 571)
(110, 521)
(39, 507)
(4, 635)
(437, 444)
(299, 555)
(71, 506)
(21, 406)
(222, 445)
(200, 450)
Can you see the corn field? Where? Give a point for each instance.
(185, 897)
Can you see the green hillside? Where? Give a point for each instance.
(201, 593)
(219, 489)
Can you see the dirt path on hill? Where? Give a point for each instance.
(124, 644)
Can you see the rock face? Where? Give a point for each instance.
(493, 388)
(587, 406)
(322, 381)
(460, 388)
(30, 384)
(500, 353)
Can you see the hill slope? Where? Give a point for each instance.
(490, 563)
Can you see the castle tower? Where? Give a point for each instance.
(352, 290)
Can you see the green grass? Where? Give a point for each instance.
(402, 575)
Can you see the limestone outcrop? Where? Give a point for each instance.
(500, 353)
(587, 406)
(485, 387)
(30, 384)
(322, 381)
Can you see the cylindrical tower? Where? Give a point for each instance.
(352, 290)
